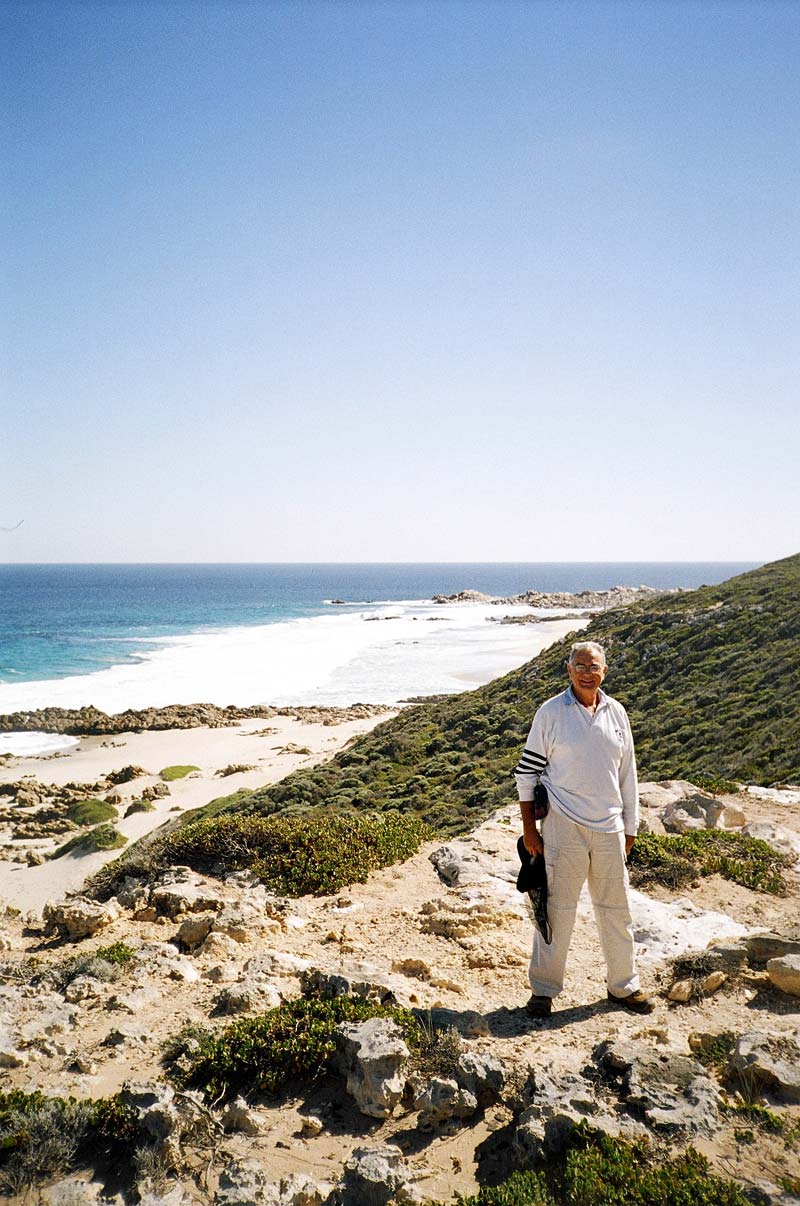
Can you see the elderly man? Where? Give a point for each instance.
(581, 748)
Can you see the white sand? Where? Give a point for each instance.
(208, 749)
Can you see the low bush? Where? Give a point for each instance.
(596, 1170)
(91, 812)
(317, 853)
(170, 773)
(676, 859)
(102, 837)
(139, 806)
(44, 1136)
(294, 1042)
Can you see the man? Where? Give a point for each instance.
(581, 747)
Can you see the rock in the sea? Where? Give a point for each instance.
(785, 974)
(78, 916)
(376, 1176)
(373, 1056)
(769, 1061)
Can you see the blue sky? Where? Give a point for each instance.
(390, 281)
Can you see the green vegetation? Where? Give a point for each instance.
(50, 1136)
(294, 1042)
(595, 1170)
(714, 1050)
(91, 812)
(677, 859)
(139, 806)
(102, 837)
(170, 773)
(706, 676)
(118, 953)
(758, 1116)
(295, 856)
(708, 680)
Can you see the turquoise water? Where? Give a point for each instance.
(58, 621)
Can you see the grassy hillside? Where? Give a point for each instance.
(709, 679)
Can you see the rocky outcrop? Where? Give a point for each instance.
(784, 840)
(78, 917)
(770, 1062)
(376, 1176)
(785, 974)
(373, 1056)
(587, 600)
(670, 1092)
(90, 721)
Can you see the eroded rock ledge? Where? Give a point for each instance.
(91, 722)
(588, 600)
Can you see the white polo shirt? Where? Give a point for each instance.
(586, 762)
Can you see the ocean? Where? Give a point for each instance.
(120, 636)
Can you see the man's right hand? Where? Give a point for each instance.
(533, 842)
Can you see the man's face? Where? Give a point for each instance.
(587, 670)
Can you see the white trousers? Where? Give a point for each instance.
(574, 854)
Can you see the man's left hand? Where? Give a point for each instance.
(628, 844)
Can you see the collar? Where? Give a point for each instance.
(571, 698)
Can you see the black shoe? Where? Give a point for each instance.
(539, 1007)
(635, 1002)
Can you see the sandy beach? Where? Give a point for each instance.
(272, 747)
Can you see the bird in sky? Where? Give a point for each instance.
(16, 525)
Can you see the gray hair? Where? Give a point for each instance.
(587, 647)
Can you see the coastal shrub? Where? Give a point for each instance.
(293, 1042)
(170, 773)
(319, 853)
(102, 837)
(596, 1170)
(665, 655)
(45, 1137)
(677, 859)
(139, 806)
(91, 812)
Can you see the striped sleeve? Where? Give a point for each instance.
(532, 760)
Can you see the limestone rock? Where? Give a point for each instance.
(456, 864)
(681, 990)
(248, 996)
(362, 980)
(763, 947)
(376, 1176)
(700, 810)
(243, 921)
(372, 1054)
(785, 974)
(671, 1092)
(482, 1074)
(181, 890)
(10, 1057)
(238, 1116)
(443, 1099)
(83, 988)
(220, 946)
(134, 894)
(713, 981)
(298, 1189)
(784, 840)
(194, 930)
(771, 1061)
(245, 1183)
(458, 915)
(467, 1022)
(78, 917)
(555, 1101)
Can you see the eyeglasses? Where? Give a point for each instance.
(582, 669)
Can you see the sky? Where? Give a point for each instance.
(443, 281)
